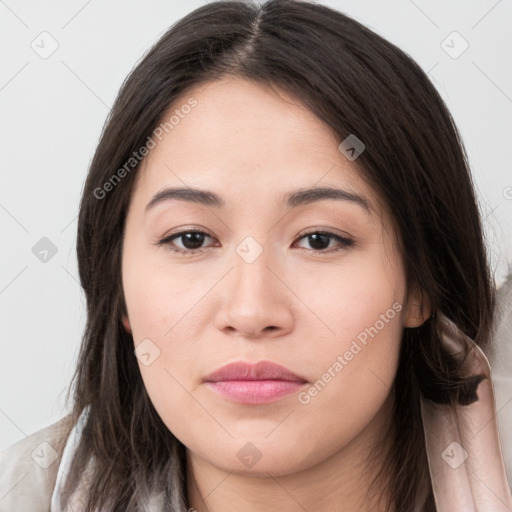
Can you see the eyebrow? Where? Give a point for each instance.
(294, 199)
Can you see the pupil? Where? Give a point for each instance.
(193, 240)
(313, 240)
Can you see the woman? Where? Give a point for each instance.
(230, 359)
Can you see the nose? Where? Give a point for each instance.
(255, 299)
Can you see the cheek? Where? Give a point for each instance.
(355, 371)
(361, 311)
(354, 375)
(156, 295)
(158, 302)
(362, 299)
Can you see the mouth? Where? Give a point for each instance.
(260, 383)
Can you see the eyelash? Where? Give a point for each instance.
(345, 242)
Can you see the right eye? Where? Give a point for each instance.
(192, 239)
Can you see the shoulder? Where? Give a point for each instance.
(28, 468)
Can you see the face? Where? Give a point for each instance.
(315, 286)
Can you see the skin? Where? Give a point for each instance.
(252, 145)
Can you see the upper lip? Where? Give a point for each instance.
(263, 370)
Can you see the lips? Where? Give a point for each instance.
(263, 370)
(254, 384)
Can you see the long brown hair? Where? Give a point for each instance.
(357, 83)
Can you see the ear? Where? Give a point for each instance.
(126, 324)
(418, 308)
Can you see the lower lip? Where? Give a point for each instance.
(255, 391)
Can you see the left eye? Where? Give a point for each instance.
(193, 240)
(319, 238)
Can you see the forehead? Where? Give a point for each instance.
(247, 142)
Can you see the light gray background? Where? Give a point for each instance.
(53, 109)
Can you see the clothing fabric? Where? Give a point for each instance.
(28, 469)
(465, 459)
